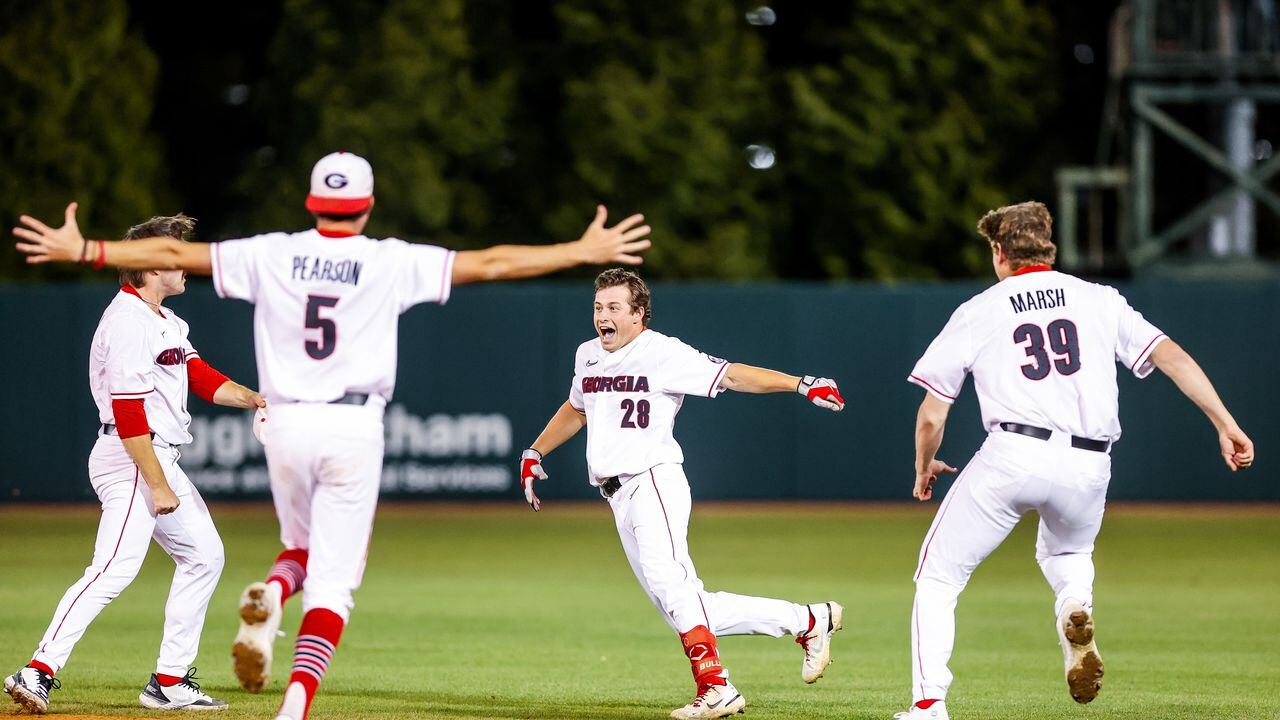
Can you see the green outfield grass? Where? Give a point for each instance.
(495, 612)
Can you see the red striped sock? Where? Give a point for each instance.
(317, 640)
(289, 572)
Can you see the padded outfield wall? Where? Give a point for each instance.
(479, 378)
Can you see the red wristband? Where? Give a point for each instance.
(101, 261)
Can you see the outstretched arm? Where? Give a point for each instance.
(931, 420)
(748, 379)
(621, 244)
(1237, 448)
(44, 244)
(563, 425)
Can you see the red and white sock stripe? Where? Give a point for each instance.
(290, 570)
(311, 655)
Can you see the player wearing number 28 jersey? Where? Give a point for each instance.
(628, 384)
(1042, 348)
(327, 303)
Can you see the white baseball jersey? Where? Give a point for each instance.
(327, 308)
(1042, 347)
(138, 354)
(631, 396)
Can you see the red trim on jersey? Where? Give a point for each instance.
(924, 382)
(140, 392)
(123, 525)
(1134, 367)
(335, 233)
(134, 292)
(719, 375)
(1031, 269)
(131, 417)
(203, 379)
(338, 206)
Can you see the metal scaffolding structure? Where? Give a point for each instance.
(1223, 54)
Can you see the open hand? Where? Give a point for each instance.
(621, 243)
(45, 244)
(924, 480)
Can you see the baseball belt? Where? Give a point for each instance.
(1040, 433)
(610, 485)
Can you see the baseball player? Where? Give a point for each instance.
(629, 383)
(1042, 348)
(141, 367)
(327, 306)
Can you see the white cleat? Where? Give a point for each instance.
(30, 688)
(186, 695)
(828, 618)
(936, 711)
(260, 613)
(1080, 653)
(715, 701)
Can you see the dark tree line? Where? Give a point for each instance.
(852, 141)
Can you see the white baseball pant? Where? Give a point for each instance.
(1010, 475)
(651, 511)
(126, 529)
(325, 463)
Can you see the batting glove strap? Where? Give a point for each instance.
(821, 392)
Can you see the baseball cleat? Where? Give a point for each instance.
(713, 701)
(260, 613)
(937, 710)
(1080, 653)
(29, 687)
(826, 619)
(186, 695)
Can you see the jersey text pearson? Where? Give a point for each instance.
(306, 267)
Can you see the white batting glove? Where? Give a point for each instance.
(259, 423)
(530, 470)
(821, 392)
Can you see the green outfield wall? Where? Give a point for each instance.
(479, 377)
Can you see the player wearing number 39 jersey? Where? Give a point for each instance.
(1042, 348)
(629, 383)
(327, 303)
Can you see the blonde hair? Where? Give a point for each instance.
(1023, 231)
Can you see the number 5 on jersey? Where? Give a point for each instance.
(328, 329)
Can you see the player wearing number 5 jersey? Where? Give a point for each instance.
(1042, 348)
(628, 385)
(327, 306)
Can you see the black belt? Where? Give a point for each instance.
(1042, 434)
(351, 399)
(109, 429)
(609, 486)
(348, 399)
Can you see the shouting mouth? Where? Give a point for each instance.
(607, 333)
